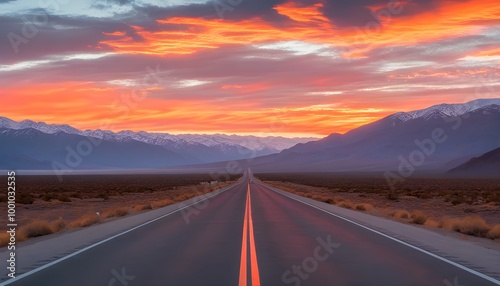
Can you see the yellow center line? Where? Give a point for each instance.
(253, 253)
(248, 231)
(243, 261)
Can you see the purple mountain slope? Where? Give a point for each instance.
(487, 164)
(436, 139)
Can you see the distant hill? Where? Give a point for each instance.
(29, 145)
(487, 164)
(433, 139)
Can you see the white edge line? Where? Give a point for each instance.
(12, 280)
(490, 279)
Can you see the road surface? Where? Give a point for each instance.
(251, 235)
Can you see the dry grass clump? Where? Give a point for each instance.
(84, 221)
(325, 199)
(418, 217)
(364, 207)
(494, 232)
(5, 237)
(117, 212)
(400, 214)
(471, 225)
(57, 225)
(35, 228)
(162, 203)
(338, 199)
(142, 207)
(431, 223)
(346, 204)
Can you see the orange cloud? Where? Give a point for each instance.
(236, 106)
(488, 52)
(302, 14)
(451, 19)
(90, 106)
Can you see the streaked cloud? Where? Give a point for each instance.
(317, 67)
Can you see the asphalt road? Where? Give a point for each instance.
(251, 235)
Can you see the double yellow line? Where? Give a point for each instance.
(248, 235)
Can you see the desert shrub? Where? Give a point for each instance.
(494, 232)
(360, 208)
(346, 204)
(117, 212)
(49, 196)
(364, 207)
(183, 197)
(103, 195)
(492, 197)
(392, 196)
(142, 207)
(327, 200)
(317, 198)
(64, 198)
(121, 212)
(424, 195)
(23, 198)
(162, 203)
(57, 225)
(84, 221)
(76, 195)
(431, 223)
(36, 228)
(418, 217)
(471, 225)
(401, 214)
(457, 201)
(338, 199)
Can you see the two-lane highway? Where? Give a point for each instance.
(250, 235)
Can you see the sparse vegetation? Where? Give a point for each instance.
(346, 204)
(401, 214)
(442, 197)
(471, 225)
(364, 207)
(94, 199)
(418, 217)
(35, 228)
(494, 232)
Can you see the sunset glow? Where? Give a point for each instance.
(293, 68)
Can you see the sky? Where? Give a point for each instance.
(262, 67)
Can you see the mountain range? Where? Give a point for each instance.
(487, 165)
(437, 139)
(37, 146)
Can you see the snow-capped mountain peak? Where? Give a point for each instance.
(441, 110)
(40, 126)
(266, 145)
